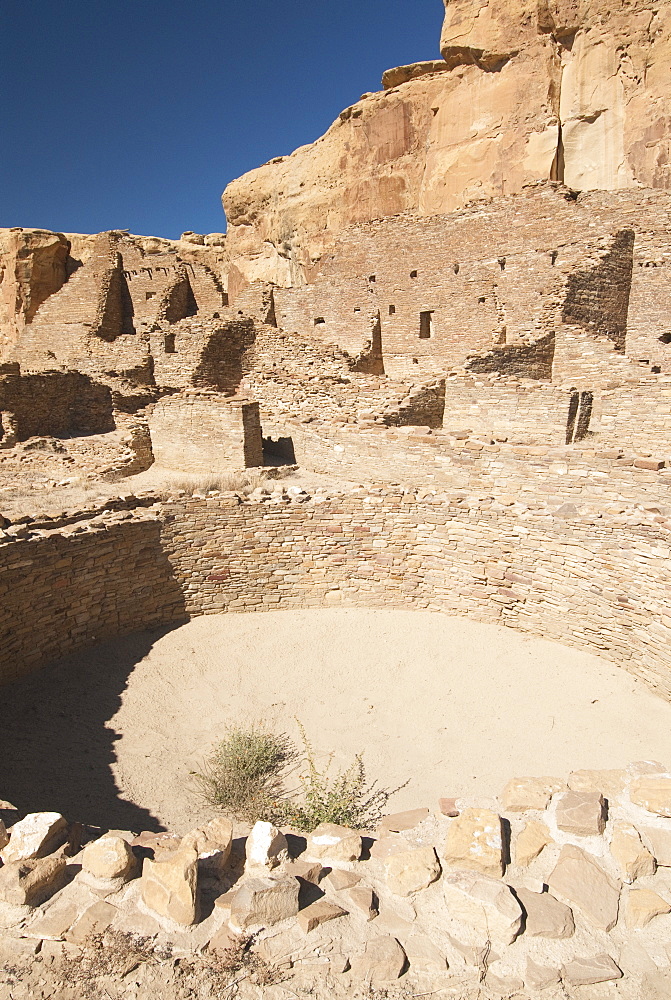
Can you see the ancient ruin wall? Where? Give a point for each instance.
(55, 403)
(596, 583)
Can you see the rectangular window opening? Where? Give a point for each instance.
(425, 325)
(169, 343)
(392, 310)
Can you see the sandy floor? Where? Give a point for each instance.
(451, 706)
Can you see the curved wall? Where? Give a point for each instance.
(600, 583)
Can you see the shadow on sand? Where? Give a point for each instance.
(55, 749)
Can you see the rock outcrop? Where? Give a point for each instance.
(570, 90)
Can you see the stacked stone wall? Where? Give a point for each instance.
(203, 432)
(53, 403)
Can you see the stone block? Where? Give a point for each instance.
(632, 858)
(530, 842)
(521, 794)
(94, 920)
(31, 882)
(410, 871)
(652, 792)
(588, 971)
(580, 882)
(545, 915)
(108, 858)
(642, 905)
(424, 956)
(503, 985)
(309, 871)
(213, 842)
(318, 913)
(397, 822)
(474, 841)
(448, 807)
(610, 782)
(361, 899)
(540, 977)
(262, 902)
(658, 839)
(169, 886)
(35, 836)
(266, 847)
(334, 843)
(383, 959)
(484, 904)
(582, 814)
(338, 879)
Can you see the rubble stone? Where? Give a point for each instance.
(318, 913)
(658, 839)
(362, 899)
(213, 842)
(642, 905)
(31, 882)
(333, 842)
(35, 836)
(108, 858)
(530, 842)
(397, 822)
(411, 871)
(262, 902)
(539, 977)
(582, 814)
(588, 971)
(484, 904)
(583, 884)
(521, 794)
(545, 915)
(609, 783)
(266, 846)
(424, 956)
(474, 841)
(169, 886)
(653, 793)
(383, 959)
(632, 858)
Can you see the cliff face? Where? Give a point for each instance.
(573, 90)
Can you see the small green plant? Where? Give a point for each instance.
(244, 773)
(345, 798)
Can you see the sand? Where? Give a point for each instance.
(448, 705)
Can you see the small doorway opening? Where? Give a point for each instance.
(425, 325)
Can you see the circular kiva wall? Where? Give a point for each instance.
(600, 584)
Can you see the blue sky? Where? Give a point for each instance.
(134, 114)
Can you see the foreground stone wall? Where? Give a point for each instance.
(597, 580)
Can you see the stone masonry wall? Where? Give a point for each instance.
(54, 403)
(599, 581)
(203, 432)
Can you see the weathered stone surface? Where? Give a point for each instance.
(362, 899)
(266, 846)
(4, 836)
(539, 977)
(31, 882)
(397, 822)
(401, 74)
(318, 913)
(333, 842)
(309, 871)
(658, 839)
(504, 985)
(583, 884)
(521, 794)
(382, 960)
(632, 858)
(262, 902)
(338, 879)
(545, 915)
(423, 955)
(212, 841)
(474, 841)
(582, 814)
(448, 807)
(34, 836)
(484, 904)
(411, 871)
(169, 886)
(530, 841)
(93, 920)
(652, 793)
(587, 971)
(610, 782)
(108, 858)
(642, 905)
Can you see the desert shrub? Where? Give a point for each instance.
(244, 774)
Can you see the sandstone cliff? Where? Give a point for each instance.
(573, 90)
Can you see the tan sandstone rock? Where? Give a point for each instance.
(424, 956)
(262, 902)
(530, 842)
(4, 836)
(318, 913)
(333, 842)
(32, 881)
(474, 841)
(581, 813)
(588, 971)
(401, 74)
(653, 793)
(579, 880)
(397, 822)
(521, 794)
(383, 959)
(658, 839)
(545, 915)
(484, 904)
(213, 842)
(108, 858)
(610, 783)
(266, 847)
(35, 836)
(632, 858)
(410, 871)
(642, 905)
(361, 899)
(539, 977)
(169, 886)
